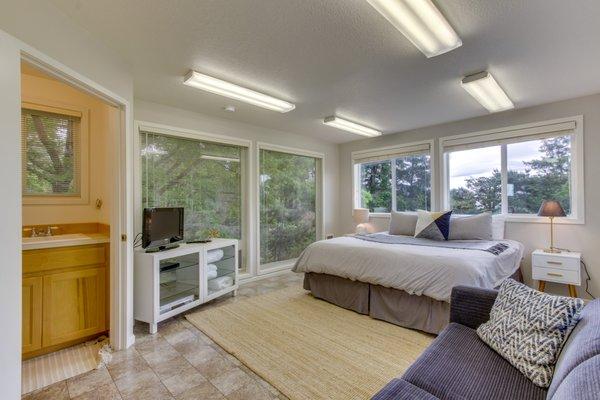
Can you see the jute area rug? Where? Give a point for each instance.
(310, 349)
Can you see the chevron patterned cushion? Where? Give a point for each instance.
(433, 225)
(528, 328)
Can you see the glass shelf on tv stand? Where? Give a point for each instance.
(179, 282)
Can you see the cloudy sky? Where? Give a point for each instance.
(481, 162)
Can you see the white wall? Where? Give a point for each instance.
(584, 238)
(10, 206)
(157, 113)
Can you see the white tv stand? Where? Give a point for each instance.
(169, 282)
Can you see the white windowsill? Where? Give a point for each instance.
(516, 218)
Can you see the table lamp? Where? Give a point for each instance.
(361, 217)
(551, 208)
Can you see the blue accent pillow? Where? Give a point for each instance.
(433, 225)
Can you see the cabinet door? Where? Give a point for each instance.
(32, 314)
(74, 305)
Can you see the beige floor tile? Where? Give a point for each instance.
(185, 380)
(87, 382)
(57, 391)
(105, 392)
(250, 391)
(136, 381)
(155, 391)
(204, 391)
(190, 343)
(122, 355)
(127, 366)
(231, 381)
(214, 367)
(200, 354)
(168, 368)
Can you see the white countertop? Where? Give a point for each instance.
(73, 239)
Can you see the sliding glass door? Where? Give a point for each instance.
(288, 206)
(203, 177)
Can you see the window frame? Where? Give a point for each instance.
(246, 243)
(398, 150)
(83, 197)
(269, 268)
(577, 215)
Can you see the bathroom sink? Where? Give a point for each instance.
(71, 239)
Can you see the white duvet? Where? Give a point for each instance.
(419, 270)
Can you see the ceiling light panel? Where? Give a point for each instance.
(232, 91)
(421, 22)
(348, 126)
(484, 88)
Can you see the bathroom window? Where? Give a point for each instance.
(51, 149)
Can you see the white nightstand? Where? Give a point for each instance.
(562, 268)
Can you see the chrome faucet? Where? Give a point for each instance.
(46, 232)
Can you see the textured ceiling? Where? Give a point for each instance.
(341, 57)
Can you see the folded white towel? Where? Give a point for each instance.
(211, 267)
(211, 274)
(220, 283)
(214, 255)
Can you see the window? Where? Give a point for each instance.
(539, 170)
(475, 180)
(394, 178)
(512, 171)
(203, 177)
(51, 152)
(376, 186)
(288, 204)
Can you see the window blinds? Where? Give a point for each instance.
(508, 136)
(51, 152)
(388, 153)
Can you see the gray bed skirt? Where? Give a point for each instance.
(387, 304)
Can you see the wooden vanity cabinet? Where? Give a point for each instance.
(32, 313)
(65, 292)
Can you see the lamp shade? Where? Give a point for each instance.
(360, 215)
(551, 208)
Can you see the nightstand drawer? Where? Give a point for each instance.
(556, 275)
(554, 262)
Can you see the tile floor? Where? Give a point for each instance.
(179, 362)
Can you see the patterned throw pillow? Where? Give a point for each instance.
(528, 328)
(433, 225)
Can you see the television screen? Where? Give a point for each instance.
(162, 226)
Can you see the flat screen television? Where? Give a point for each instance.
(162, 226)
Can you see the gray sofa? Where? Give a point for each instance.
(458, 365)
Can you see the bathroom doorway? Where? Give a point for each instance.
(70, 202)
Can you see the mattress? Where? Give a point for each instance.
(415, 269)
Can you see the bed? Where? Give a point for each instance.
(403, 280)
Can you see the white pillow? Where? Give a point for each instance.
(471, 227)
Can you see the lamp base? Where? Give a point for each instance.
(553, 250)
(361, 229)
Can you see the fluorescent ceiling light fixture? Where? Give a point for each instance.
(484, 88)
(217, 86)
(348, 126)
(421, 22)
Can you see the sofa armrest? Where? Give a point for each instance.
(470, 306)
(399, 389)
